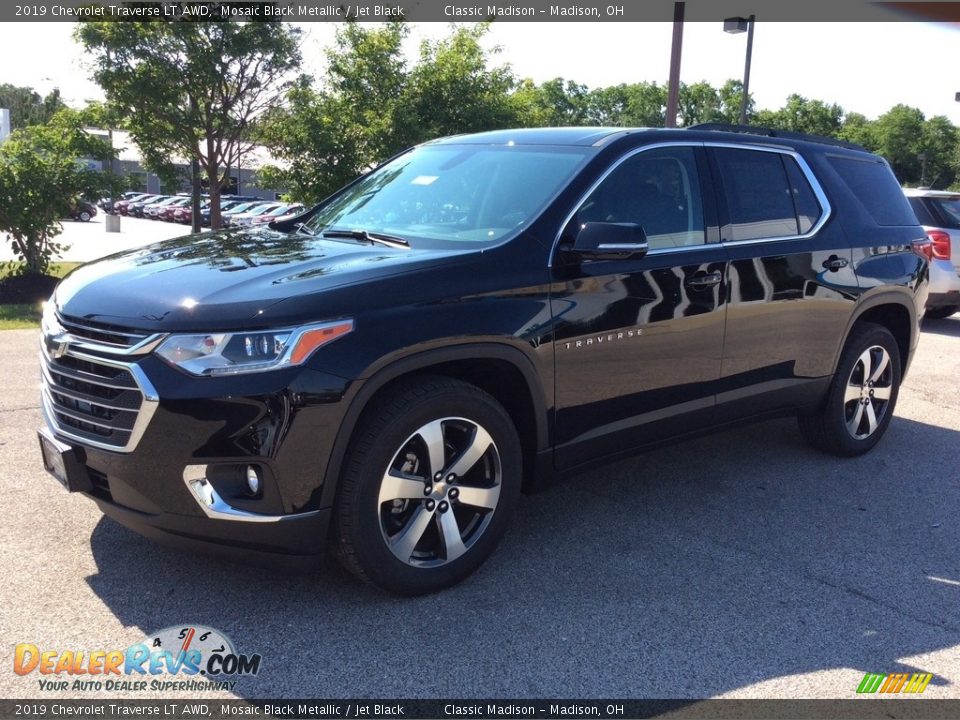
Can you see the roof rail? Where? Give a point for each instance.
(776, 133)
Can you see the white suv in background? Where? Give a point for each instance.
(939, 213)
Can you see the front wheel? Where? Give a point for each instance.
(430, 480)
(862, 396)
(84, 216)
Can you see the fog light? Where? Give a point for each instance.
(253, 480)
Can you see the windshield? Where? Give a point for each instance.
(462, 193)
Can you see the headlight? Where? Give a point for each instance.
(245, 352)
(49, 324)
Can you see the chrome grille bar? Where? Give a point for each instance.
(106, 404)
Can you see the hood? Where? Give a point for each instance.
(224, 279)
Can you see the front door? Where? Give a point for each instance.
(639, 341)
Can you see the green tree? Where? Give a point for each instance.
(938, 140)
(898, 135)
(453, 89)
(42, 174)
(799, 114)
(27, 107)
(634, 105)
(193, 89)
(326, 137)
(731, 97)
(856, 128)
(554, 103)
(698, 103)
(371, 105)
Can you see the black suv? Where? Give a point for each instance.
(384, 373)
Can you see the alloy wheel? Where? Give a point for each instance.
(868, 392)
(439, 492)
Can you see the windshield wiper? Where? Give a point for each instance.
(303, 229)
(365, 236)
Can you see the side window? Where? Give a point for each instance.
(759, 197)
(660, 190)
(807, 206)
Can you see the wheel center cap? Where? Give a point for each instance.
(440, 489)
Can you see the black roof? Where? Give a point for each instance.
(596, 136)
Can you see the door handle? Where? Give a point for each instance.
(703, 280)
(835, 263)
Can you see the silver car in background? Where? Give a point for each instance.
(939, 213)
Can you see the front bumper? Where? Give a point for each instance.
(282, 423)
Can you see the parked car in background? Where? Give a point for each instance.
(83, 211)
(292, 212)
(237, 209)
(166, 213)
(939, 213)
(246, 218)
(106, 204)
(137, 209)
(183, 214)
(132, 207)
(282, 210)
(120, 206)
(152, 210)
(225, 204)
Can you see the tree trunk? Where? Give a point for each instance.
(213, 174)
(195, 195)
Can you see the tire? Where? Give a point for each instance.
(868, 377)
(84, 216)
(940, 313)
(416, 533)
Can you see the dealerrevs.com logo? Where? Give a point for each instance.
(188, 657)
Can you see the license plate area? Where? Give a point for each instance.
(62, 462)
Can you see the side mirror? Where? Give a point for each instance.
(609, 241)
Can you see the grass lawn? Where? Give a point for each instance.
(19, 316)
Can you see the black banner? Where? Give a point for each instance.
(854, 709)
(467, 11)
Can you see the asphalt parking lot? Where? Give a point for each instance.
(742, 564)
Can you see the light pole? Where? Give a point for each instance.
(734, 26)
(673, 86)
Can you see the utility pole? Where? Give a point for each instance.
(673, 89)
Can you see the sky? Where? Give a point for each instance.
(864, 67)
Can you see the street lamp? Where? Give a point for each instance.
(735, 26)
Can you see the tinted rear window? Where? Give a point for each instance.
(949, 211)
(876, 188)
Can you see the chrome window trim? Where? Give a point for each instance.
(826, 210)
(148, 406)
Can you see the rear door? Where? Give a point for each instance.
(790, 281)
(638, 341)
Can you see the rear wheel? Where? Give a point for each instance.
(862, 396)
(430, 480)
(939, 313)
(84, 216)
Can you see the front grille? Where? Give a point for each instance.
(100, 402)
(111, 336)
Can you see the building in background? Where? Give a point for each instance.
(242, 179)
